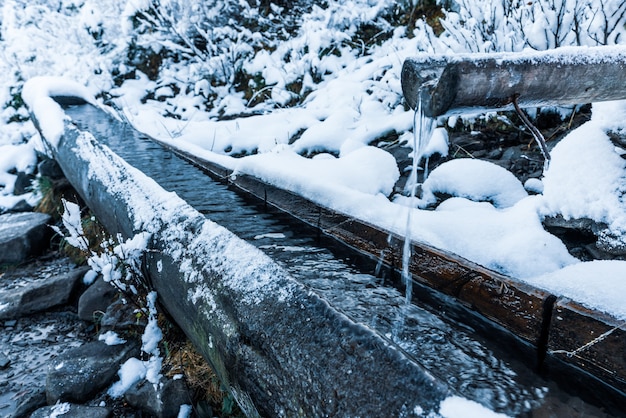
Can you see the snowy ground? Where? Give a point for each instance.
(348, 94)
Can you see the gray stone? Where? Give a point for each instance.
(80, 373)
(39, 295)
(50, 168)
(94, 302)
(67, 410)
(30, 402)
(162, 402)
(4, 361)
(23, 183)
(23, 235)
(21, 206)
(120, 316)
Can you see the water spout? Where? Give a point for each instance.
(559, 77)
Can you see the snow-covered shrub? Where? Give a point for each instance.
(267, 51)
(488, 26)
(117, 260)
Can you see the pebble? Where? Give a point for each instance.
(4, 361)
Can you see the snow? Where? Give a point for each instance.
(185, 411)
(134, 370)
(476, 180)
(457, 407)
(111, 338)
(90, 277)
(38, 93)
(59, 409)
(587, 177)
(575, 282)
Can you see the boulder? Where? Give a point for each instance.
(39, 295)
(164, 401)
(23, 235)
(67, 410)
(78, 374)
(96, 299)
(30, 402)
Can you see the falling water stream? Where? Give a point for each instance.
(422, 132)
(475, 368)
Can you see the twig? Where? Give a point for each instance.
(533, 129)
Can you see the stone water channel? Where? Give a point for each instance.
(500, 375)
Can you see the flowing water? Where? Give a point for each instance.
(422, 132)
(477, 369)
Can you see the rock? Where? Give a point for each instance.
(50, 168)
(4, 361)
(96, 298)
(611, 243)
(80, 373)
(120, 315)
(163, 402)
(21, 206)
(23, 235)
(30, 402)
(39, 295)
(23, 183)
(67, 410)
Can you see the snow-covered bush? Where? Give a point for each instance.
(117, 260)
(488, 26)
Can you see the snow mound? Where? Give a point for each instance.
(598, 284)
(475, 180)
(367, 170)
(587, 179)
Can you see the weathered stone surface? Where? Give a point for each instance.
(120, 316)
(23, 235)
(162, 402)
(592, 340)
(23, 183)
(78, 374)
(94, 302)
(50, 168)
(29, 403)
(67, 410)
(21, 206)
(4, 361)
(39, 295)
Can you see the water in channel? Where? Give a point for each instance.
(475, 368)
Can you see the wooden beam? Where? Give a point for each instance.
(452, 84)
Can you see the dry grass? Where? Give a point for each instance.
(182, 358)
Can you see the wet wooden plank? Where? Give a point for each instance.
(592, 340)
(514, 305)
